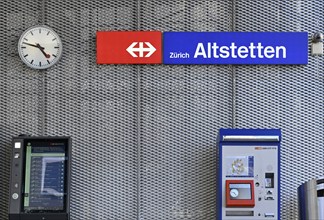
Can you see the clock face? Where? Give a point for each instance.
(40, 47)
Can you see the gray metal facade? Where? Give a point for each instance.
(144, 137)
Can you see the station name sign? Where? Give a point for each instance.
(246, 48)
(235, 48)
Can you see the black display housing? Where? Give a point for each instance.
(40, 178)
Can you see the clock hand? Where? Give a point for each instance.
(39, 47)
(42, 50)
(33, 45)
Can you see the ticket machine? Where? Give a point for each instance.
(40, 178)
(249, 174)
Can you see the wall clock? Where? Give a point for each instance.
(40, 47)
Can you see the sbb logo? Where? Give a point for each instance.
(141, 49)
(129, 47)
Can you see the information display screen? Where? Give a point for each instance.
(240, 191)
(45, 175)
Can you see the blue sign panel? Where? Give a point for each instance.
(235, 48)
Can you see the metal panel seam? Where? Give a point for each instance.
(138, 123)
(233, 72)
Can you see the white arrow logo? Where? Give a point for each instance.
(141, 49)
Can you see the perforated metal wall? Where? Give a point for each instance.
(286, 97)
(144, 137)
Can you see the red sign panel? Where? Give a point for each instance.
(129, 47)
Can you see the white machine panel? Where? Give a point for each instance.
(250, 186)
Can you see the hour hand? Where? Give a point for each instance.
(43, 52)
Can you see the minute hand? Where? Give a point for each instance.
(34, 45)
